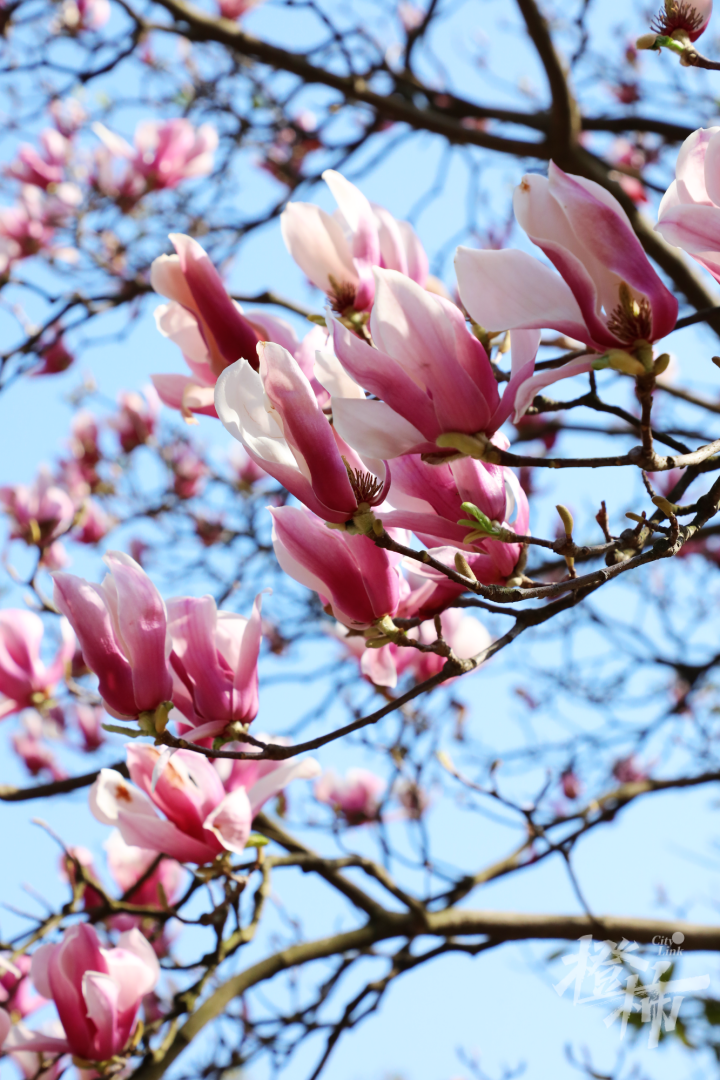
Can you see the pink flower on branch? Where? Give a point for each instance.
(122, 629)
(357, 580)
(356, 797)
(165, 153)
(605, 294)
(214, 662)
(97, 992)
(40, 513)
(275, 414)
(201, 820)
(432, 376)
(25, 681)
(136, 419)
(689, 213)
(44, 170)
(338, 253)
(16, 990)
(429, 498)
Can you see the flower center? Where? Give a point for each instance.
(366, 487)
(631, 320)
(677, 15)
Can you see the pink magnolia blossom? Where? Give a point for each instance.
(165, 153)
(275, 414)
(214, 662)
(25, 681)
(207, 325)
(689, 213)
(431, 374)
(356, 579)
(338, 253)
(464, 634)
(25, 228)
(45, 169)
(606, 293)
(127, 864)
(68, 115)
(201, 820)
(97, 992)
(683, 17)
(40, 512)
(356, 797)
(432, 591)
(90, 719)
(33, 751)
(188, 468)
(32, 1065)
(55, 356)
(16, 989)
(429, 502)
(122, 629)
(628, 770)
(235, 9)
(571, 784)
(93, 523)
(136, 419)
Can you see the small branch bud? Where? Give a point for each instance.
(567, 520)
(463, 566)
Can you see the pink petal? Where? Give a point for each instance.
(231, 821)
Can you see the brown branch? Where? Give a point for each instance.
(56, 787)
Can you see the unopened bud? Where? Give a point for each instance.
(665, 505)
(661, 364)
(646, 41)
(620, 360)
(463, 566)
(567, 520)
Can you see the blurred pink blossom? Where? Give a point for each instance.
(356, 798)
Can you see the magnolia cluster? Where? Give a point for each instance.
(56, 175)
(389, 416)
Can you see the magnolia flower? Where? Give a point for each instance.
(356, 579)
(136, 418)
(93, 523)
(689, 213)
(429, 502)
(97, 992)
(46, 169)
(606, 295)
(206, 324)
(122, 628)
(29, 746)
(188, 468)
(356, 798)
(432, 590)
(201, 819)
(464, 634)
(90, 720)
(165, 153)
(338, 253)
(55, 356)
(68, 114)
(40, 512)
(683, 18)
(431, 374)
(275, 414)
(16, 990)
(25, 681)
(571, 784)
(214, 662)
